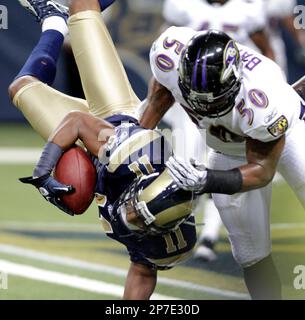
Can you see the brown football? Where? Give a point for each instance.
(76, 168)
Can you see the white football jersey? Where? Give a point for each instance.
(277, 10)
(238, 18)
(266, 107)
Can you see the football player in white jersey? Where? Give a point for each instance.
(280, 12)
(254, 123)
(244, 21)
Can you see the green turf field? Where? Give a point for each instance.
(53, 256)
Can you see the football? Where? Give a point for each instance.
(76, 168)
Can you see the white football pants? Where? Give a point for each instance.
(246, 215)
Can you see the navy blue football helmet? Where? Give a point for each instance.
(210, 73)
(153, 205)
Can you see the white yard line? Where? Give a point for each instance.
(60, 260)
(96, 226)
(59, 278)
(65, 261)
(295, 225)
(15, 156)
(37, 225)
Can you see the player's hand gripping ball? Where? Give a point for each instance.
(76, 168)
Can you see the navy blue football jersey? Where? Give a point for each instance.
(133, 152)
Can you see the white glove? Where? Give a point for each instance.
(189, 175)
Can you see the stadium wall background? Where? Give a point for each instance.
(134, 24)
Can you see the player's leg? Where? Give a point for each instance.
(43, 106)
(82, 5)
(263, 281)
(246, 217)
(209, 234)
(140, 282)
(42, 60)
(104, 80)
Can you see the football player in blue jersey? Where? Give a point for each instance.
(139, 204)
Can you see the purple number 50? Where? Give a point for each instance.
(258, 99)
(167, 44)
(163, 61)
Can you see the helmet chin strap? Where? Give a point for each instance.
(123, 213)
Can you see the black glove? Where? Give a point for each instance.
(51, 190)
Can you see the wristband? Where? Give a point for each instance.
(226, 182)
(48, 159)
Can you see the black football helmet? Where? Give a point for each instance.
(210, 73)
(157, 204)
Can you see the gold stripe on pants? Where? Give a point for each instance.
(45, 107)
(104, 80)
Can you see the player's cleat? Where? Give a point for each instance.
(205, 251)
(43, 9)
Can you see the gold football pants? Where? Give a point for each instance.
(104, 80)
